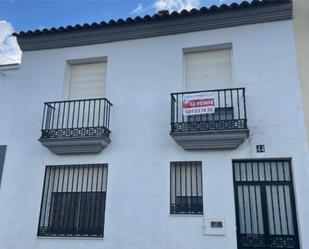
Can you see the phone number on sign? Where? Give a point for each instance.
(193, 111)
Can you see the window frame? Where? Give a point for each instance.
(207, 48)
(80, 61)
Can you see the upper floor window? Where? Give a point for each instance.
(208, 70)
(186, 188)
(84, 114)
(73, 201)
(87, 80)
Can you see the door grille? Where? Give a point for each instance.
(265, 205)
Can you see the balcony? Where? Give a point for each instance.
(76, 126)
(206, 120)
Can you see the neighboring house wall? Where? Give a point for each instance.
(8, 88)
(141, 74)
(301, 30)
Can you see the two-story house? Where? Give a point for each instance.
(177, 130)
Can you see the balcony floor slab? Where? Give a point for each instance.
(75, 145)
(211, 140)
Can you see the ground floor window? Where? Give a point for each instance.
(73, 201)
(186, 188)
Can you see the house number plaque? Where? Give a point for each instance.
(260, 148)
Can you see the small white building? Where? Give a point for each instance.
(178, 130)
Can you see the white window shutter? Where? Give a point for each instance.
(208, 70)
(87, 81)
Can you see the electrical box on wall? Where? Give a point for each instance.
(214, 226)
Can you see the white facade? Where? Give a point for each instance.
(141, 74)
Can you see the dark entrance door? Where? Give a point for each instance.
(265, 205)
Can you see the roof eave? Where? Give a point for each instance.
(268, 12)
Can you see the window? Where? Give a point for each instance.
(186, 188)
(208, 70)
(87, 80)
(211, 70)
(73, 201)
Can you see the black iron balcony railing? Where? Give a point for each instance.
(76, 118)
(229, 112)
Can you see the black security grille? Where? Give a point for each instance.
(76, 118)
(186, 188)
(73, 201)
(265, 205)
(230, 112)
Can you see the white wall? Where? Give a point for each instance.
(141, 74)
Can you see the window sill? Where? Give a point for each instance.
(70, 238)
(186, 215)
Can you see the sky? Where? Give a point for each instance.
(23, 15)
